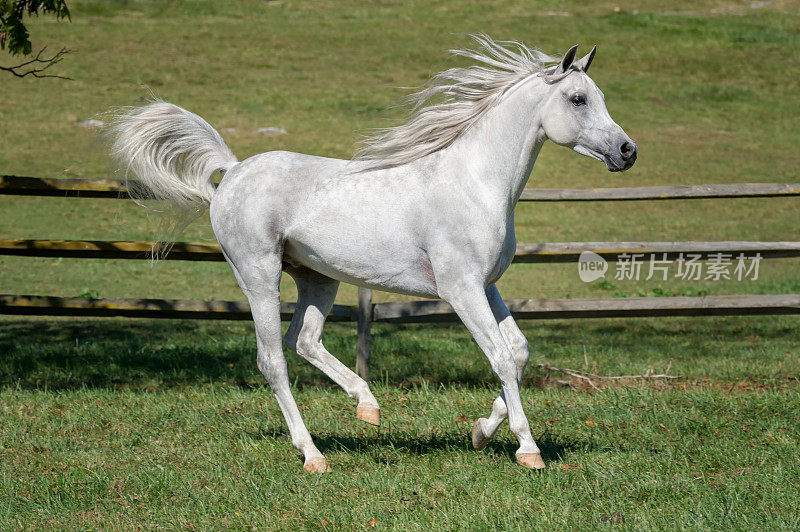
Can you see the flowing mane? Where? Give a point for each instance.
(453, 100)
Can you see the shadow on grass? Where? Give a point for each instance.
(67, 354)
(58, 353)
(385, 448)
(552, 450)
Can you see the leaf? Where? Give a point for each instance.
(13, 33)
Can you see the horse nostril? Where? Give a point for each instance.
(626, 150)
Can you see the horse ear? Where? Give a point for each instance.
(564, 68)
(584, 62)
(569, 58)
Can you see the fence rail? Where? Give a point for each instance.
(740, 190)
(623, 307)
(411, 311)
(111, 188)
(526, 253)
(84, 188)
(571, 251)
(146, 308)
(104, 249)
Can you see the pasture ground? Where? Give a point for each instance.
(116, 424)
(138, 424)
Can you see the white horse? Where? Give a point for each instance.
(426, 209)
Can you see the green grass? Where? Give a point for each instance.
(217, 456)
(121, 424)
(134, 424)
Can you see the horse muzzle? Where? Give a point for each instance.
(622, 157)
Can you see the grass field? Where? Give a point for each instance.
(139, 424)
(112, 424)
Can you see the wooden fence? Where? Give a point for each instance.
(415, 311)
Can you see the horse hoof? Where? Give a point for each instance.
(317, 465)
(530, 460)
(369, 414)
(479, 438)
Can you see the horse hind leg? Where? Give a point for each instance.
(260, 281)
(315, 296)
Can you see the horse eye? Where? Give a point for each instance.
(578, 99)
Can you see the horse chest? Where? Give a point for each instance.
(493, 248)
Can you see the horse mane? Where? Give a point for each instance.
(453, 100)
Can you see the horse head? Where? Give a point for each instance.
(575, 114)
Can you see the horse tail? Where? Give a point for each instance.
(173, 155)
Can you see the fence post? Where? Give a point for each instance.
(363, 346)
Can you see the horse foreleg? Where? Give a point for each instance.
(486, 428)
(315, 296)
(478, 310)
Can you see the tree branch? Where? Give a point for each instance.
(589, 376)
(37, 65)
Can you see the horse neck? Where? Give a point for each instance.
(500, 150)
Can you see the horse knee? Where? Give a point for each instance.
(505, 368)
